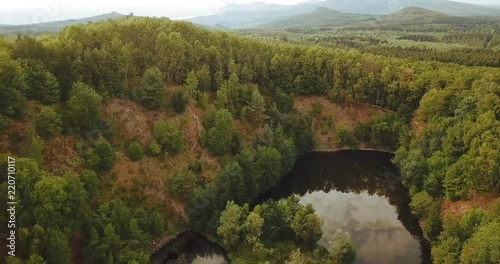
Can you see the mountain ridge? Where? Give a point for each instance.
(54, 26)
(322, 16)
(256, 14)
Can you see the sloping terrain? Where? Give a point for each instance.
(320, 18)
(255, 14)
(55, 26)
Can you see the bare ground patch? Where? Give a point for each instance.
(60, 155)
(132, 120)
(149, 177)
(348, 115)
(477, 202)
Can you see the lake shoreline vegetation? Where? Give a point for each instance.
(130, 130)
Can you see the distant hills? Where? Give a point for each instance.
(56, 25)
(413, 15)
(324, 19)
(320, 17)
(304, 15)
(259, 13)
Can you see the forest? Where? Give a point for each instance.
(133, 129)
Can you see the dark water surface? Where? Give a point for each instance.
(359, 192)
(189, 247)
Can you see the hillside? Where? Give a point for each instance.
(413, 15)
(125, 131)
(321, 17)
(255, 14)
(56, 25)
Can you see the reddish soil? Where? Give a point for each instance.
(133, 121)
(12, 140)
(342, 114)
(477, 202)
(60, 155)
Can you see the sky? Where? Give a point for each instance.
(38, 11)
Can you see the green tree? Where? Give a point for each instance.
(362, 132)
(135, 151)
(90, 182)
(83, 108)
(219, 137)
(343, 136)
(191, 85)
(230, 185)
(42, 85)
(169, 135)
(341, 249)
(154, 147)
(204, 79)
(231, 224)
(484, 245)
(256, 107)
(36, 259)
(55, 205)
(36, 149)
(307, 226)
(12, 87)
(421, 203)
(49, 122)
(182, 184)
(101, 157)
(269, 167)
(448, 251)
(57, 247)
(151, 91)
(433, 223)
(179, 102)
(253, 228)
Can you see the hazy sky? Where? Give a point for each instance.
(36, 11)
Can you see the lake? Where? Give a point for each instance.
(359, 192)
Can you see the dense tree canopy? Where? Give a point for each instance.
(443, 119)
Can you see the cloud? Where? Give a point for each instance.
(372, 222)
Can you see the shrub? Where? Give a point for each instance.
(84, 108)
(421, 203)
(327, 125)
(208, 120)
(169, 135)
(196, 167)
(433, 224)
(135, 151)
(36, 149)
(178, 102)
(154, 147)
(42, 85)
(343, 136)
(317, 108)
(362, 132)
(220, 136)
(203, 100)
(90, 182)
(151, 92)
(100, 158)
(182, 184)
(341, 249)
(49, 122)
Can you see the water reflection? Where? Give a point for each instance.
(189, 247)
(372, 222)
(357, 191)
